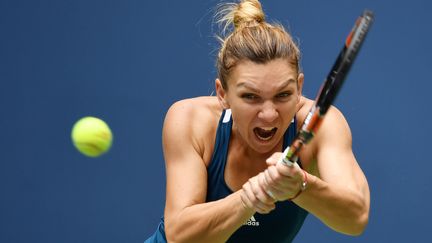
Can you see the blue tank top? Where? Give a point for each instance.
(280, 225)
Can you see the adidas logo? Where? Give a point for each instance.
(252, 222)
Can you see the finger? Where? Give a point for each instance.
(267, 188)
(273, 190)
(275, 180)
(249, 197)
(266, 210)
(269, 184)
(270, 193)
(258, 187)
(272, 160)
(273, 176)
(256, 203)
(263, 208)
(277, 183)
(288, 171)
(269, 178)
(245, 201)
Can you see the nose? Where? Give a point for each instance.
(268, 112)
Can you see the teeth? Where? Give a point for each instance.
(267, 128)
(264, 139)
(265, 133)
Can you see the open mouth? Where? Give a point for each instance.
(265, 133)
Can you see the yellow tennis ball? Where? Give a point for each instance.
(91, 136)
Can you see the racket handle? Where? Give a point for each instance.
(283, 159)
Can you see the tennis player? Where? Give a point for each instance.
(223, 180)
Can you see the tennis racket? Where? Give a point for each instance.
(330, 87)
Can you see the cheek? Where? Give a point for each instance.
(243, 113)
(243, 116)
(289, 109)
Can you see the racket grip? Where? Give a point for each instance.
(283, 159)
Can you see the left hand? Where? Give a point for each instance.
(254, 196)
(280, 181)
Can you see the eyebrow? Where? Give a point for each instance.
(249, 86)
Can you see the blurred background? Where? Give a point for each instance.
(127, 61)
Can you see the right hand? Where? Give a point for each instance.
(283, 181)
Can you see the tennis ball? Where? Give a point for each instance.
(91, 136)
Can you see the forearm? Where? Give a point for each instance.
(343, 209)
(208, 222)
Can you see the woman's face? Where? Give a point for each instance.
(263, 100)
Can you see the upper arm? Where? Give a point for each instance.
(336, 161)
(185, 169)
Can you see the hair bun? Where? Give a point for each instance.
(248, 12)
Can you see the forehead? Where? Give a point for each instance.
(271, 73)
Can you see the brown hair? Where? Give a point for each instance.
(251, 39)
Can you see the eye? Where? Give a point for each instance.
(249, 96)
(284, 95)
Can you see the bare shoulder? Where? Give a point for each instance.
(193, 121)
(334, 121)
(194, 113)
(333, 132)
(197, 105)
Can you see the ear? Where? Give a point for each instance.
(221, 94)
(300, 80)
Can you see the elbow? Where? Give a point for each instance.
(359, 217)
(360, 224)
(177, 231)
(352, 222)
(362, 218)
(175, 234)
(172, 233)
(169, 234)
(353, 227)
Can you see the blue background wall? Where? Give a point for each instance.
(127, 61)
